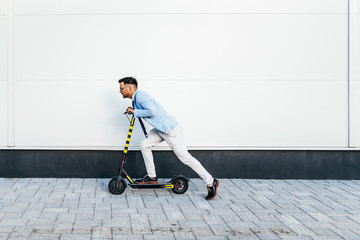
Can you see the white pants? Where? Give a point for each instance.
(175, 139)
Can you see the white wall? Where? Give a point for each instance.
(3, 75)
(355, 73)
(237, 74)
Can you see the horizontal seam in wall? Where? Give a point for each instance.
(191, 148)
(104, 14)
(166, 80)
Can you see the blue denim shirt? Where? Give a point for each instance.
(152, 112)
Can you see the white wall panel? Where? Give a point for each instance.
(3, 7)
(260, 113)
(3, 113)
(355, 42)
(3, 77)
(355, 114)
(214, 114)
(355, 74)
(3, 49)
(265, 46)
(70, 114)
(185, 6)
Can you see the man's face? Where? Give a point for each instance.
(124, 90)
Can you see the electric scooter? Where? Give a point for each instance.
(178, 184)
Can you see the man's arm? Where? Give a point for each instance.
(147, 105)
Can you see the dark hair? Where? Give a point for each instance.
(129, 80)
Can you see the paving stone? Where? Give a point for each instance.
(173, 212)
(323, 231)
(75, 237)
(63, 228)
(212, 238)
(184, 235)
(101, 233)
(6, 229)
(22, 232)
(267, 234)
(140, 224)
(127, 237)
(121, 231)
(186, 223)
(12, 215)
(269, 225)
(82, 230)
(154, 214)
(46, 236)
(296, 238)
(347, 233)
(13, 222)
(117, 223)
(102, 215)
(4, 236)
(327, 238)
(159, 237)
(241, 233)
(202, 231)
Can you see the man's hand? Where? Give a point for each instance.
(130, 110)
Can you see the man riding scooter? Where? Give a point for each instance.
(166, 128)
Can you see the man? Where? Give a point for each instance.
(166, 128)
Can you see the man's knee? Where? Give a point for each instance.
(144, 145)
(186, 158)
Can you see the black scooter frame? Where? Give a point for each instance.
(117, 185)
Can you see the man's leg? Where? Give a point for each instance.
(176, 141)
(153, 139)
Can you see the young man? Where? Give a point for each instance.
(166, 128)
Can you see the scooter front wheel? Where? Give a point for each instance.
(117, 187)
(180, 185)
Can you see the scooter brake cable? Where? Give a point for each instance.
(127, 117)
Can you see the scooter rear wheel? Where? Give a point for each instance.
(116, 187)
(184, 185)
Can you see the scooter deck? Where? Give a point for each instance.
(154, 185)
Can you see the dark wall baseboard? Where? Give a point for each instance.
(251, 164)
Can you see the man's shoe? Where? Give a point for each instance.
(212, 190)
(147, 180)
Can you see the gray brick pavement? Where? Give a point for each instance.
(34, 208)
